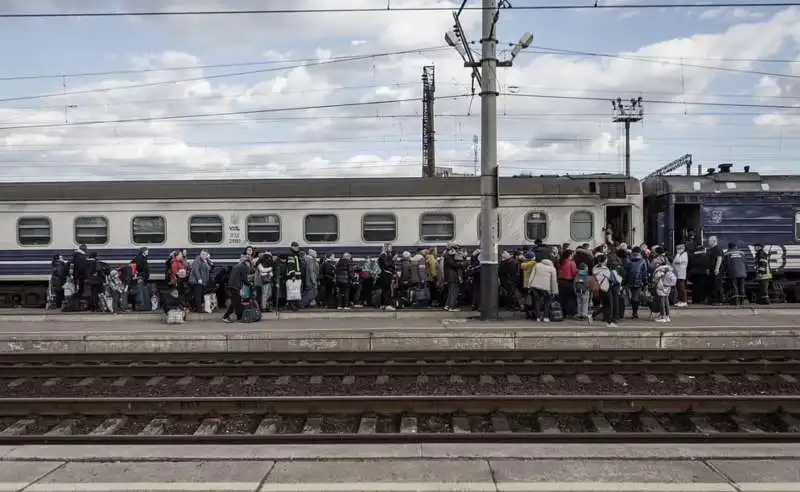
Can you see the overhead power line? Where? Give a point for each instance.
(317, 63)
(389, 9)
(388, 101)
(227, 113)
(663, 61)
(658, 101)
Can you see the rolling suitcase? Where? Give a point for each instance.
(556, 313)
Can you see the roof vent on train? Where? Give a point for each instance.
(725, 168)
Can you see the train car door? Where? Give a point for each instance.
(688, 223)
(618, 220)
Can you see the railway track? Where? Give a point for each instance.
(437, 373)
(500, 419)
(23, 365)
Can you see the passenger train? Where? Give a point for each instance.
(116, 219)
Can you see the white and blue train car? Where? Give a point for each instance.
(116, 219)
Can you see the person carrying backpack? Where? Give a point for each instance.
(582, 292)
(665, 280)
(606, 281)
(636, 278)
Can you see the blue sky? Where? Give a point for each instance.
(697, 55)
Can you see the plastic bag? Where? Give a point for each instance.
(69, 287)
(293, 290)
(210, 303)
(154, 302)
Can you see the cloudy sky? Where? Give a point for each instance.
(322, 94)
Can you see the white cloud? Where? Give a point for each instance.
(731, 14)
(561, 134)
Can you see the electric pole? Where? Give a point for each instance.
(490, 197)
(476, 144)
(627, 113)
(428, 130)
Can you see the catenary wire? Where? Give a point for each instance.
(383, 140)
(389, 9)
(390, 101)
(317, 63)
(351, 58)
(544, 50)
(175, 68)
(227, 113)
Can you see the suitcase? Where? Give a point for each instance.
(251, 313)
(556, 313)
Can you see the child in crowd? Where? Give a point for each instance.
(665, 280)
(582, 292)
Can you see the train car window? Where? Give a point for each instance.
(612, 189)
(91, 230)
(536, 226)
(499, 225)
(148, 229)
(435, 227)
(34, 231)
(379, 227)
(322, 228)
(581, 225)
(206, 229)
(263, 228)
(797, 226)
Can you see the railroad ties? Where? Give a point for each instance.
(404, 397)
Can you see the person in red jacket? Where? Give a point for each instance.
(567, 269)
(178, 274)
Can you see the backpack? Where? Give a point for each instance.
(603, 281)
(669, 279)
(581, 282)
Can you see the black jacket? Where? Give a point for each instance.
(239, 274)
(344, 271)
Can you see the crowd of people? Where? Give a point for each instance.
(547, 283)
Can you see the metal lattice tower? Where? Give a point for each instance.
(428, 129)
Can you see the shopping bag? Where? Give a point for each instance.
(209, 303)
(293, 290)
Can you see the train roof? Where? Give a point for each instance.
(721, 183)
(305, 188)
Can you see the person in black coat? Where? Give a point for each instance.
(386, 276)
(58, 277)
(344, 278)
(79, 269)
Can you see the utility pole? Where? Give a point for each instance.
(428, 130)
(490, 197)
(476, 144)
(627, 113)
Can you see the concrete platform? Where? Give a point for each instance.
(345, 333)
(462, 468)
(40, 315)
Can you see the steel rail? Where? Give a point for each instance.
(421, 404)
(69, 408)
(413, 438)
(9, 358)
(497, 367)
